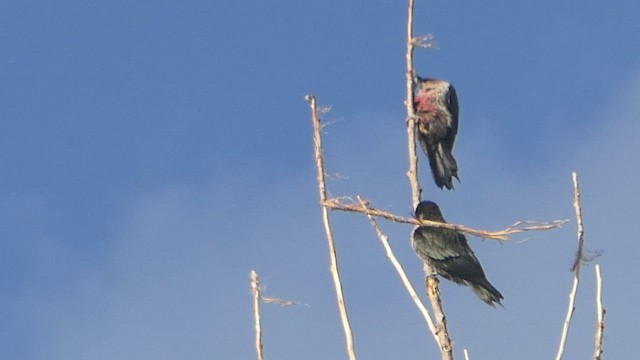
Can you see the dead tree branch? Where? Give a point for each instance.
(517, 227)
(320, 176)
(255, 291)
(412, 173)
(575, 268)
(600, 312)
(576, 205)
(444, 342)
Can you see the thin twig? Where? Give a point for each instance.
(466, 354)
(444, 342)
(255, 291)
(320, 176)
(575, 268)
(517, 227)
(403, 276)
(278, 301)
(424, 41)
(600, 312)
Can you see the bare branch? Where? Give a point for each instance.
(255, 291)
(517, 227)
(433, 292)
(403, 276)
(412, 173)
(600, 312)
(575, 268)
(576, 205)
(466, 354)
(320, 176)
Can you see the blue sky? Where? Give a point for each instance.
(153, 153)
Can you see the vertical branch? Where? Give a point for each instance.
(320, 176)
(600, 311)
(255, 291)
(412, 173)
(575, 268)
(444, 342)
(433, 292)
(576, 205)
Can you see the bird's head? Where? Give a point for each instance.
(428, 210)
(433, 85)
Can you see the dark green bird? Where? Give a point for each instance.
(449, 254)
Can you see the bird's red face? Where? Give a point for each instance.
(423, 101)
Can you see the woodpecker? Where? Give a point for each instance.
(449, 254)
(436, 108)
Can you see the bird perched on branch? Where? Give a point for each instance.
(436, 108)
(449, 254)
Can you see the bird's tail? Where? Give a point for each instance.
(443, 166)
(487, 293)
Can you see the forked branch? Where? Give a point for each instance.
(384, 240)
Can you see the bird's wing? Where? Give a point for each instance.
(454, 110)
(449, 251)
(467, 265)
(435, 244)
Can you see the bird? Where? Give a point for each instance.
(449, 254)
(436, 108)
